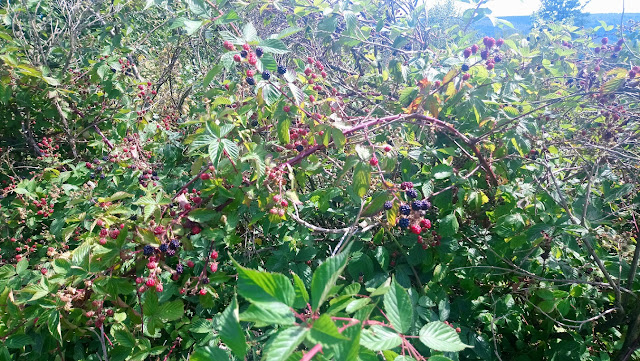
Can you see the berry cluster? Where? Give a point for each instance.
(48, 148)
(300, 136)
(413, 216)
(279, 205)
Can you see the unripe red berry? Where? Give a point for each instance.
(286, 108)
(190, 264)
(237, 58)
(159, 288)
(373, 161)
(387, 148)
(415, 229)
(139, 280)
(203, 292)
(43, 271)
(284, 203)
(196, 230)
(213, 267)
(605, 40)
(205, 176)
(214, 255)
(150, 282)
(246, 47)
(467, 52)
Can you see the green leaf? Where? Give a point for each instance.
(264, 287)
(325, 277)
(442, 171)
(449, 225)
(288, 32)
(283, 130)
(398, 308)
(171, 310)
(249, 33)
(355, 305)
(208, 353)
(124, 338)
(269, 313)
(230, 331)
(441, 337)
(211, 74)
(361, 179)
(54, 325)
(274, 46)
(302, 296)
(284, 343)
(298, 94)
(379, 338)
(325, 332)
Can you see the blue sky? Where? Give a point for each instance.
(526, 7)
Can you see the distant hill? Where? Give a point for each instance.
(523, 24)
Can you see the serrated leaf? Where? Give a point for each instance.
(355, 305)
(441, 337)
(231, 148)
(442, 171)
(288, 32)
(273, 46)
(297, 93)
(171, 310)
(284, 343)
(449, 225)
(324, 331)
(124, 338)
(325, 277)
(379, 338)
(302, 296)
(208, 353)
(283, 130)
(249, 33)
(398, 308)
(361, 179)
(269, 313)
(230, 331)
(264, 287)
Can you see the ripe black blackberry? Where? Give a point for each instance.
(405, 209)
(179, 268)
(282, 70)
(148, 250)
(465, 67)
(412, 193)
(171, 252)
(243, 53)
(403, 222)
(251, 81)
(205, 280)
(416, 206)
(163, 247)
(388, 205)
(259, 52)
(426, 205)
(266, 75)
(299, 148)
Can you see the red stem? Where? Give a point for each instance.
(314, 350)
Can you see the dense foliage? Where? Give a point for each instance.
(298, 180)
